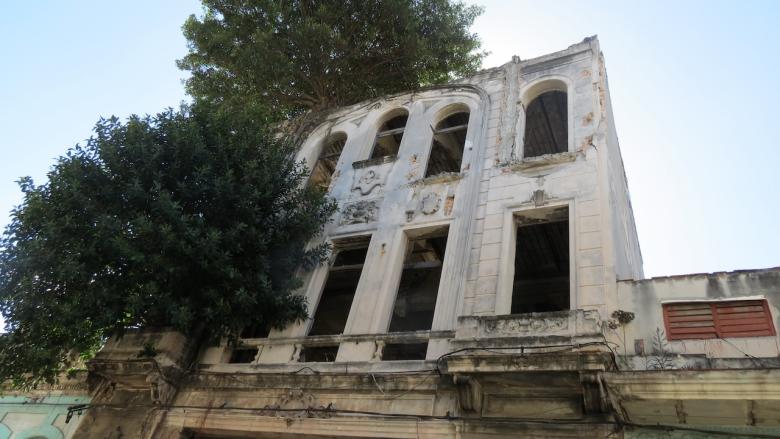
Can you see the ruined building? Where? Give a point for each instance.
(486, 282)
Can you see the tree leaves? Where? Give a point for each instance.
(198, 218)
(303, 55)
(194, 218)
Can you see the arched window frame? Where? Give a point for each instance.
(533, 90)
(323, 143)
(444, 109)
(387, 116)
(441, 116)
(311, 149)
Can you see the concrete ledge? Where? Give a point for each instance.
(408, 366)
(515, 362)
(532, 163)
(374, 162)
(747, 397)
(329, 340)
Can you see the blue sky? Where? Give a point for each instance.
(692, 87)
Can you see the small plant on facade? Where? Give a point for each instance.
(148, 351)
(623, 317)
(661, 358)
(620, 319)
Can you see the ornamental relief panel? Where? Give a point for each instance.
(370, 180)
(360, 212)
(527, 325)
(367, 181)
(434, 201)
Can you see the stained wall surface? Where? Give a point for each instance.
(389, 199)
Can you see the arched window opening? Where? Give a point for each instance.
(322, 172)
(388, 138)
(546, 125)
(449, 138)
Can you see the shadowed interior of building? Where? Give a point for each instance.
(541, 279)
(389, 136)
(546, 125)
(336, 299)
(416, 298)
(449, 138)
(323, 169)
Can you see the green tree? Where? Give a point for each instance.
(299, 55)
(192, 219)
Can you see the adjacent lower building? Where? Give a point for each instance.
(486, 282)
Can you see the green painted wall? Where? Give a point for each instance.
(38, 417)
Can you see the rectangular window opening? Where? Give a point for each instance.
(416, 298)
(541, 273)
(404, 351)
(256, 331)
(243, 355)
(318, 354)
(336, 299)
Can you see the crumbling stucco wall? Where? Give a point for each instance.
(646, 297)
(389, 199)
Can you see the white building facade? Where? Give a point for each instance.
(485, 281)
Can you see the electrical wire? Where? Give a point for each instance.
(503, 350)
(332, 411)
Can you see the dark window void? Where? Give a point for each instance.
(388, 139)
(255, 331)
(416, 298)
(318, 354)
(339, 290)
(546, 125)
(322, 172)
(449, 138)
(541, 281)
(243, 355)
(397, 352)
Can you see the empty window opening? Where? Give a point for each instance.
(404, 351)
(449, 138)
(318, 354)
(336, 300)
(546, 126)
(388, 139)
(541, 280)
(243, 355)
(416, 298)
(255, 331)
(322, 172)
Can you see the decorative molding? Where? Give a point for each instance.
(368, 180)
(430, 203)
(526, 325)
(360, 212)
(360, 164)
(542, 161)
(539, 198)
(161, 389)
(470, 394)
(379, 350)
(574, 323)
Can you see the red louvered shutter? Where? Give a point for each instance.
(689, 320)
(699, 320)
(746, 318)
